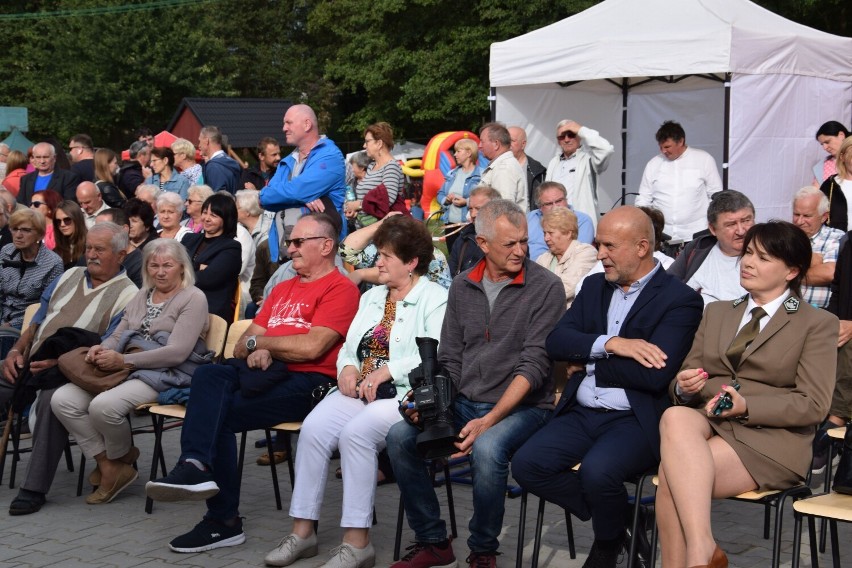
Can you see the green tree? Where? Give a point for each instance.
(421, 64)
(107, 74)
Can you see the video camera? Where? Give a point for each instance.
(432, 396)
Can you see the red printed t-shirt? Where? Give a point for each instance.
(293, 307)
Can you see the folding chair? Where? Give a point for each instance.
(828, 506)
(450, 505)
(768, 499)
(639, 482)
(16, 422)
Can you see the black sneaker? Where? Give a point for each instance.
(207, 535)
(185, 483)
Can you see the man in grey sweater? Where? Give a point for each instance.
(493, 348)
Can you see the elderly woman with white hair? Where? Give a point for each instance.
(251, 216)
(148, 193)
(170, 208)
(27, 267)
(566, 257)
(160, 339)
(197, 195)
(185, 161)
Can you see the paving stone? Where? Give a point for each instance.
(67, 532)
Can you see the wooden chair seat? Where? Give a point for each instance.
(223, 345)
(292, 427)
(169, 410)
(832, 507)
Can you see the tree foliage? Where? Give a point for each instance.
(421, 65)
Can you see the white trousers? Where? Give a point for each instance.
(99, 423)
(358, 430)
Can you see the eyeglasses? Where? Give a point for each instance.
(64, 220)
(194, 201)
(559, 201)
(72, 148)
(300, 241)
(368, 140)
(24, 230)
(37, 204)
(566, 135)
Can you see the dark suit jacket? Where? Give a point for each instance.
(666, 313)
(63, 182)
(218, 281)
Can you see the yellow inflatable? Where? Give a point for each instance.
(413, 168)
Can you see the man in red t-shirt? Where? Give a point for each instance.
(288, 351)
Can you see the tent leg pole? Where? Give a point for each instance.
(625, 88)
(726, 144)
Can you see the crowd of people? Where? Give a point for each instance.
(677, 335)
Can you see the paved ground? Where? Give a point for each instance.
(69, 533)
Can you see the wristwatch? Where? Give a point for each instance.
(251, 343)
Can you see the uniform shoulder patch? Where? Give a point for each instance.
(739, 301)
(791, 305)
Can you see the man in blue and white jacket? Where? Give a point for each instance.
(312, 178)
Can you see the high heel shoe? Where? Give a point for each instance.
(719, 560)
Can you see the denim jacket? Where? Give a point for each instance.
(471, 182)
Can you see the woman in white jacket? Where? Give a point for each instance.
(376, 358)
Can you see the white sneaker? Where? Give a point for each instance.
(292, 548)
(347, 556)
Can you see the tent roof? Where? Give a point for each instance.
(17, 141)
(625, 38)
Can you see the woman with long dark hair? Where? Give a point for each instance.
(106, 168)
(46, 202)
(69, 230)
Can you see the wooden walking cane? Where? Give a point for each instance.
(5, 440)
(10, 420)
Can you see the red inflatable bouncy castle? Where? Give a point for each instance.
(437, 161)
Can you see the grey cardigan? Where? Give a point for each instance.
(184, 317)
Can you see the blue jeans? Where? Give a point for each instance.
(216, 411)
(490, 469)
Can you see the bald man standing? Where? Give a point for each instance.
(535, 170)
(621, 362)
(311, 178)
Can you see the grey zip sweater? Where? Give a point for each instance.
(484, 350)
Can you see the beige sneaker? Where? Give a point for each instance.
(292, 548)
(347, 556)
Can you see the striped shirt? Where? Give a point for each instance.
(390, 174)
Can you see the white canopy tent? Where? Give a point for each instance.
(748, 86)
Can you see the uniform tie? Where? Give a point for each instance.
(745, 336)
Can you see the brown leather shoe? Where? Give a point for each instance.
(280, 457)
(719, 560)
(129, 458)
(126, 476)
